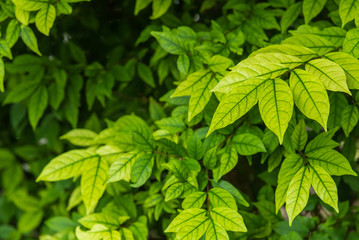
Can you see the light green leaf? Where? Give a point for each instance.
(63, 7)
(22, 15)
(227, 162)
(298, 193)
(5, 50)
(80, 137)
(174, 191)
(160, 7)
(330, 73)
(37, 105)
(321, 141)
(210, 158)
(289, 16)
(248, 144)
(348, 9)
(325, 186)
(349, 64)
(31, 5)
(350, 117)
(145, 74)
(126, 234)
(311, 8)
(29, 38)
(171, 124)
(195, 230)
(141, 170)
(195, 147)
(45, 19)
(183, 63)
(141, 4)
(2, 75)
(276, 106)
(299, 136)
(12, 33)
(351, 42)
(229, 219)
(274, 159)
(219, 197)
(289, 168)
(89, 221)
(215, 231)
(301, 52)
(98, 232)
(218, 63)
(316, 43)
(310, 96)
(281, 58)
(189, 86)
(93, 182)
(169, 41)
(331, 161)
(121, 168)
(194, 200)
(186, 217)
(235, 104)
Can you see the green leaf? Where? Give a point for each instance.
(37, 105)
(289, 16)
(219, 197)
(93, 182)
(248, 144)
(194, 200)
(298, 193)
(31, 5)
(316, 43)
(210, 158)
(268, 58)
(57, 89)
(227, 162)
(310, 96)
(22, 15)
(229, 219)
(169, 42)
(218, 63)
(320, 142)
(289, 168)
(160, 7)
(141, 4)
(311, 8)
(189, 86)
(274, 159)
(195, 230)
(325, 186)
(121, 167)
(276, 106)
(2, 75)
(215, 231)
(89, 221)
(351, 42)
(348, 9)
(141, 170)
(299, 136)
(183, 63)
(195, 147)
(5, 49)
(338, 102)
(174, 191)
(12, 33)
(80, 137)
(145, 74)
(98, 232)
(186, 217)
(350, 117)
(171, 124)
(45, 19)
(235, 104)
(331, 161)
(330, 73)
(66, 165)
(349, 64)
(29, 38)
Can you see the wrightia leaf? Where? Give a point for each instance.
(235, 104)
(330, 73)
(93, 182)
(89, 221)
(219, 197)
(215, 231)
(320, 142)
(227, 162)
(298, 193)
(350, 117)
(259, 70)
(324, 186)
(5, 50)
(281, 58)
(174, 191)
(29, 38)
(316, 43)
(169, 42)
(186, 217)
(331, 161)
(218, 63)
(299, 136)
(160, 7)
(12, 33)
(142, 137)
(80, 137)
(248, 144)
(121, 167)
(210, 158)
(338, 103)
(276, 106)
(141, 170)
(348, 9)
(311, 8)
(66, 165)
(310, 96)
(183, 63)
(98, 232)
(289, 16)
(301, 52)
(195, 147)
(351, 42)
(228, 218)
(31, 5)
(349, 64)
(141, 4)
(187, 87)
(194, 200)
(45, 18)
(195, 230)
(37, 105)
(22, 15)
(232, 190)
(289, 168)
(171, 124)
